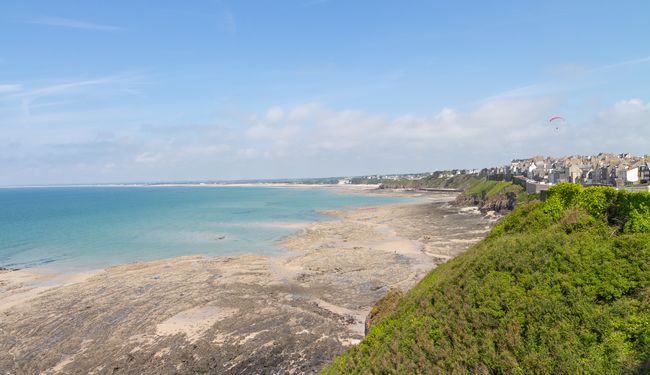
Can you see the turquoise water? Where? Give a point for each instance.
(94, 227)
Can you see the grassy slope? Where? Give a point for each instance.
(557, 287)
(462, 181)
(490, 188)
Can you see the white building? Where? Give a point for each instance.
(632, 175)
(532, 168)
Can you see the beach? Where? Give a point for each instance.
(287, 313)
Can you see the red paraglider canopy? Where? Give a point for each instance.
(554, 118)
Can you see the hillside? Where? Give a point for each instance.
(561, 286)
(461, 181)
(491, 195)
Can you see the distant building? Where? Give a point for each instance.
(536, 187)
(644, 173)
(557, 176)
(632, 175)
(574, 174)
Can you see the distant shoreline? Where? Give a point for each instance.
(220, 184)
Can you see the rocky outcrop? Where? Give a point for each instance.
(500, 202)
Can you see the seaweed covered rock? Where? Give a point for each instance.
(498, 196)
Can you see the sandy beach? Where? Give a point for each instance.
(230, 315)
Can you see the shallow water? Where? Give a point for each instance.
(94, 227)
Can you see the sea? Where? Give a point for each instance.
(87, 228)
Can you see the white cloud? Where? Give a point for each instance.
(630, 107)
(273, 133)
(274, 114)
(248, 153)
(171, 153)
(316, 140)
(147, 157)
(314, 124)
(623, 127)
(5, 88)
(201, 151)
(489, 133)
(300, 113)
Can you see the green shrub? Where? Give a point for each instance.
(557, 287)
(567, 193)
(639, 220)
(596, 200)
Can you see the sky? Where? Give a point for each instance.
(141, 91)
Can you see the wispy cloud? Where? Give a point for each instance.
(535, 89)
(4, 88)
(74, 24)
(24, 96)
(76, 85)
(227, 22)
(562, 85)
(620, 64)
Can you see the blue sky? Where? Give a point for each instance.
(96, 91)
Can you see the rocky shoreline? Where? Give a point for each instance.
(232, 315)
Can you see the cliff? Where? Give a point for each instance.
(498, 196)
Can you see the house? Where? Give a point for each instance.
(557, 176)
(531, 168)
(574, 174)
(644, 173)
(611, 175)
(632, 175)
(603, 176)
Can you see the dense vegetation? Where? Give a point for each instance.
(461, 181)
(491, 195)
(489, 188)
(558, 287)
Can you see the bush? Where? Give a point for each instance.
(639, 220)
(596, 200)
(567, 193)
(557, 287)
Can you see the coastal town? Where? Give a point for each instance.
(617, 170)
(538, 173)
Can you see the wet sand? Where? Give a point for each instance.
(230, 315)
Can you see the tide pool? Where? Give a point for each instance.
(80, 228)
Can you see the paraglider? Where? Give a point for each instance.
(557, 120)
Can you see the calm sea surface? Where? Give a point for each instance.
(94, 227)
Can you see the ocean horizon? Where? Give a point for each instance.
(93, 227)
